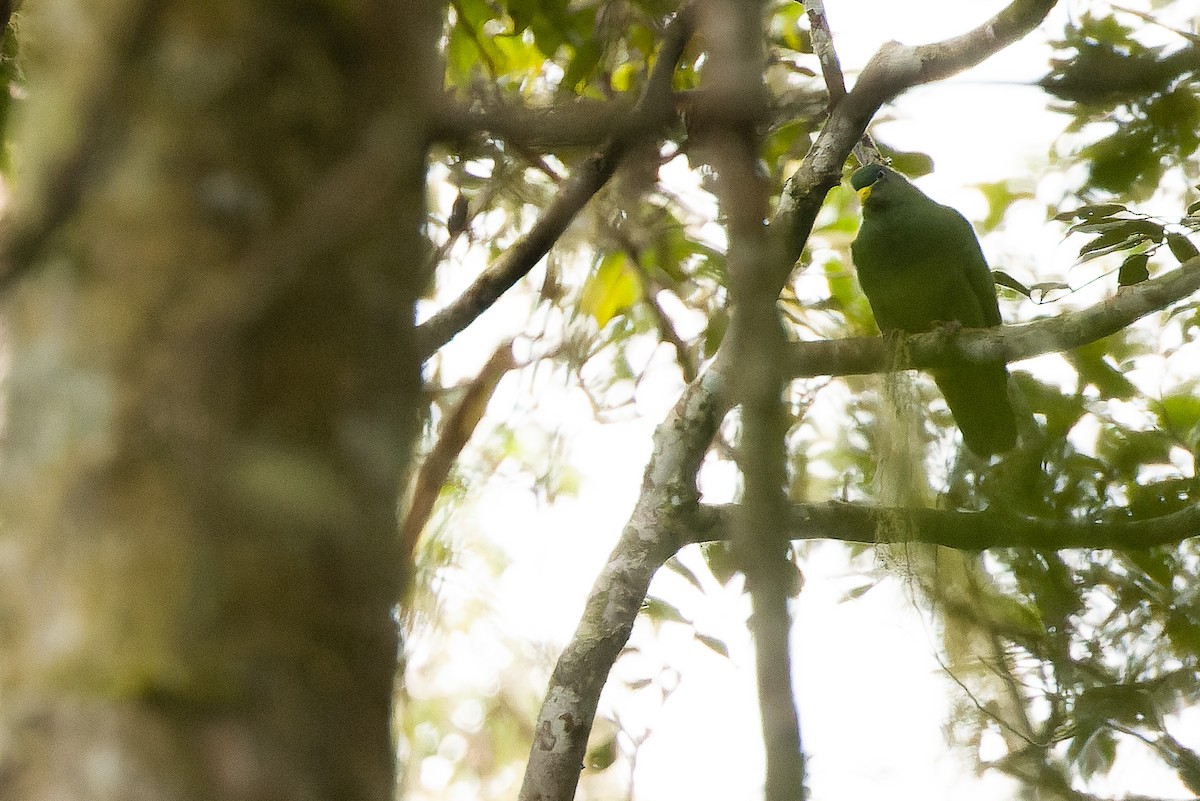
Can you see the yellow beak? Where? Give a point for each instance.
(865, 193)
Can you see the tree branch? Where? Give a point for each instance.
(660, 524)
(456, 431)
(733, 31)
(822, 41)
(521, 257)
(862, 355)
(831, 69)
(968, 531)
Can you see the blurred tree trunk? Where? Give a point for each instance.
(212, 394)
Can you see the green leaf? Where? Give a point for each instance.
(1183, 628)
(1133, 270)
(660, 611)
(546, 35)
(582, 65)
(1125, 235)
(602, 755)
(1181, 247)
(624, 76)
(1180, 412)
(791, 138)
(720, 560)
(714, 333)
(1008, 282)
(1126, 451)
(713, 643)
(685, 572)
(854, 593)
(518, 56)
(1044, 288)
(788, 28)
(1097, 226)
(1160, 498)
(1092, 363)
(522, 13)
(1091, 212)
(1000, 196)
(613, 288)
(476, 12)
(462, 57)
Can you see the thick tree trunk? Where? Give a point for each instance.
(211, 396)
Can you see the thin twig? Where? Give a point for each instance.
(453, 437)
(831, 68)
(756, 337)
(967, 531)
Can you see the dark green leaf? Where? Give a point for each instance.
(1181, 247)
(1160, 498)
(720, 560)
(1091, 212)
(714, 333)
(1008, 282)
(582, 65)
(1096, 370)
(1123, 236)
(1098, 226)
(546, 35)
(1133, 270)
(522, 13)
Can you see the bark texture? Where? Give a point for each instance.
(211, 397)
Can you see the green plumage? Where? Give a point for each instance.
(919, 264)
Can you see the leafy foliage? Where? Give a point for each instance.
(1147, 97)
(1106, 643)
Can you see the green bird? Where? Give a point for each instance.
(920, 264)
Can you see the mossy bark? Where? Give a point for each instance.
(212, 394)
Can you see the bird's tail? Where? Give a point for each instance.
(978, 399)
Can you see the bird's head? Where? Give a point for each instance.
(867, 180)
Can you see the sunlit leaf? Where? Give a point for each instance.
(1180, 411)
(602, 755)
(660, 611)
(611, 289)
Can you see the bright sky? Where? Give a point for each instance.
(873, 701)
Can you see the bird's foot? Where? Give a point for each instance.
(947, 328)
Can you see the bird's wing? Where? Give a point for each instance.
(963, 246)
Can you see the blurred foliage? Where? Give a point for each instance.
(1145, 99)
(1105, 644)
